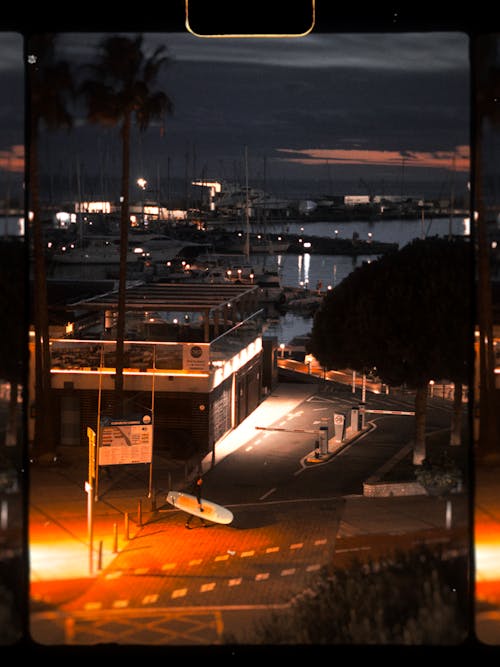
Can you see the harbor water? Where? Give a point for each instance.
(308, 270)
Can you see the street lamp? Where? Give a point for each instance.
(282, 348)
(141, 182)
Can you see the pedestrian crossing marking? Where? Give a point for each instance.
(313, 568)
(179, 593)
(168, 566)
(92, 606)
(207, 587)
(262, 577)
(150, 599)
(120, 604)
(288, 572)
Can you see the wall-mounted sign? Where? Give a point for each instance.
(195, 357)
(126, 441)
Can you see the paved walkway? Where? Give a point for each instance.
(60, 554)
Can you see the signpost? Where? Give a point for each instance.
(89, 488)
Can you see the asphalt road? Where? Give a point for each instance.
(170, 586)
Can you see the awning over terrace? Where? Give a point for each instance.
(233, 302)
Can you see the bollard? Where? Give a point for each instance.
(139, 513)
(115, 538)
(448, 514)
(99, 556)
(127, 537)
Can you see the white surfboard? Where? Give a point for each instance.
(189, 503)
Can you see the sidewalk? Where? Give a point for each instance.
(59, 532)
(58, 507)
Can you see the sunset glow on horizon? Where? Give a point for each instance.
(459, 160)
(13, 159)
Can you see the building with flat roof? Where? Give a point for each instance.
(194, 360)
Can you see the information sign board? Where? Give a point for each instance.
(126, 441)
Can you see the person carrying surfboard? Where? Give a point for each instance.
(198, 483)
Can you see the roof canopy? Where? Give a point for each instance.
(181, 297)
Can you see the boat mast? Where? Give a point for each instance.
(247, 221)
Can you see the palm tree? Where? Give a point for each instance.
(487, 89)
(119, 88)
(49, 83)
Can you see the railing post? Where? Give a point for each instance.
(127, 536)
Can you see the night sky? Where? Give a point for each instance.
(386, 113)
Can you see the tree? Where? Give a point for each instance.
(117, 90)
(404, 598)
(487, 117)
(50, 83)
(408, 314)
(13, 338)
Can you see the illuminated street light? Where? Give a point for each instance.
(282, 348)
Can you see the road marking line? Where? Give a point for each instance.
(90, 606)
(271, 550)
(114, 575)
(207, 587)
(313, 568)
(249, 448)
(298, 545)
(141, 570)
(267, 494)
(235, 582)
(262, 576)
(168, 566)
(150, 599)
(120, 604)
(223, 557)
(318, 542)
(246, 554)
(339, 551)
(179, 593)
(286, 573)
(195, 561)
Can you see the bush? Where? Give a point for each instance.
(439, 475)
(413, 598)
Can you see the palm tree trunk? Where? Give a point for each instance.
(12, 419)
(488, 440)
(122, 283)
(44, 434)
(419, 450)
(456, 416)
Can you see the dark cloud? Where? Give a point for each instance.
(392, 92)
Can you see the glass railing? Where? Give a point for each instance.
(237, 338)
(91, 355)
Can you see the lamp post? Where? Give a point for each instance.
(141, 182)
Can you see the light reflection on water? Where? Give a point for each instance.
(308, 270)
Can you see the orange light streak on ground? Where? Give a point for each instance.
(487, 562)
